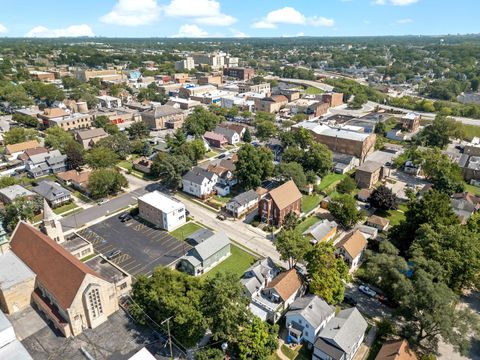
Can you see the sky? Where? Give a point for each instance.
(236, 18)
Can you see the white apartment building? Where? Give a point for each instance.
(185, 65)
(161, 210)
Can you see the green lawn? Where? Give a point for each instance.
(223, 199)
(64, 208)
(394, 216)
(236, 263)
(297, 353)
(471, 131)
(211, 154)
(313, 90)
(127, 165)
(185, 230)
(473, 189)
(331, 179)
(309, 202)
(304, 225)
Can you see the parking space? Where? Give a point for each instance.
(142, 247)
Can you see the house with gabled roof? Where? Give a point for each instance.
(51, 162)
(280, 201)
(80, 298)
(199, 182)
(231, 135)
(242, 203)
(53, 193)
(307, 316)
(341, 337)
(351, 248)
(396, 350)
(208, 250)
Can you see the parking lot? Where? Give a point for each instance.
(142, 247)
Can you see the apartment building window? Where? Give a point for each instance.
(95, 303)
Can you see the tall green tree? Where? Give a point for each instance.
(58, 138)
(170, 169)
(326, 273)
(118, 143)
(253, 166)
(104, 182)
(344, 209)
(257, 340)
(18, 135)
(383, 198)
(438, 134)
(292, 246)
(100, 157)
(138, 130)
(200, 121)
(293, 171)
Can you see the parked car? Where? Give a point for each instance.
(126, 218)
(123, 216)
(221, 156)
(101, 202)
(367, 291)
(221, 217)
(347, 299)
(113, 254)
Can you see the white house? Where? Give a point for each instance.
(162, 210)
(308, 316)
(351, 248)
(242, 203)
(232, 136)
(341, 337)
(199, 182)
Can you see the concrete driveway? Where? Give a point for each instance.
(366, 304)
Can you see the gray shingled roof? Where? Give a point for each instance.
(244, 198)
(344, 330)
(197, 174)
(209, 246)
(255, 276)
(312, 308)
(50, 190)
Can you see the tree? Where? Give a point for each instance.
(293, 171)
(326, 273)
(317, 158)
(380, 128)
(451, 253)
(7, 181)
(101, 157)
(57, 138)
(101, 121)
(265, 129)
(430, 312)
(20, 209)
(74, 152)
(290, 221)
(224, 305)
(386, 270)
(346, 186)
(247, 137)
(170, 168)
(118, 143)
(445, 175)
(256, 340)
(253, 166)
(209, 354)
(104, 182)
(344, 209)
(438, 134)
(383, 198)
(303, 138)
(434, 209)
(200, 121)
(26, 120)
(358, 101)
(138, 130)
(291, 245)
(172, 294)
(18, 135)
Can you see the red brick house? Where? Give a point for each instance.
(215, 140)
(280, 201)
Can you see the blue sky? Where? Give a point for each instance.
(236, 18)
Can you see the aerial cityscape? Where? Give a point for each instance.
(215, 180)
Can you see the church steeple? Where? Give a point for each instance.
(51, 225)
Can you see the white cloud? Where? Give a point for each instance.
(238, 33)
(404, 21)
(395, 2)
(205, 12)
(218, 20)
(190, 30)
(3, 29)
(71, 31)
(290, 15)
(132, 13)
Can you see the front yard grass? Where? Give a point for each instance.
(236, 263)
(471, 131)
(64, 208)
(394, 216)
(313, 90)
(305, 224)
(185, 230)
(473, 189)
(127, 165)
(222, 199)
(330, 180)
(299, 352)
(309, 202)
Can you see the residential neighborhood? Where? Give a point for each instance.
(203, 196)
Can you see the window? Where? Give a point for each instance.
(123, 286)
(95, 303)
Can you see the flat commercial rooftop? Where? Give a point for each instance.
(13, 271)
(142, 247)
(160, 201)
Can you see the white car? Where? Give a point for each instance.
(366, 290)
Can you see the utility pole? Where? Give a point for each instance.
(169, 336)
